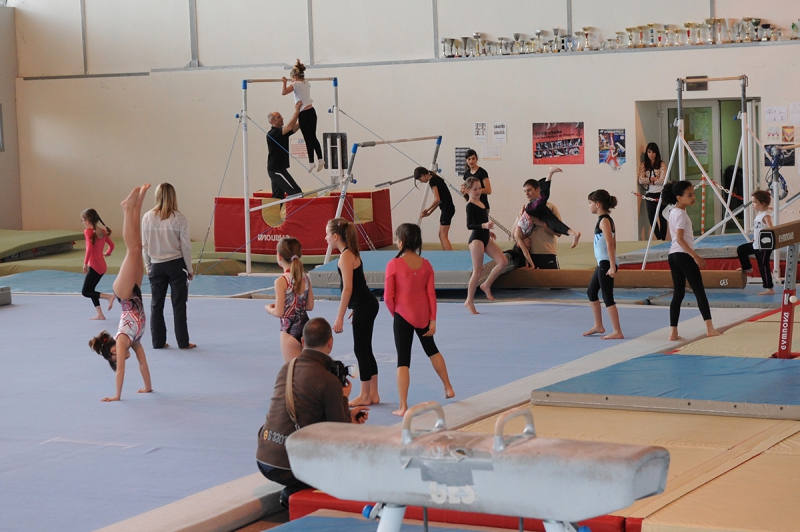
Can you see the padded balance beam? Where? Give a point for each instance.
(538, 278)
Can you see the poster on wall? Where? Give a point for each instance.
(297, 147)
(775, 113)
(499, 132)
(558, 143)
(612, 147)
(490, 152)
(479, 133)
(787, 134)
(461, 161)
(787, 156)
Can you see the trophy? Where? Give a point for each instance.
(608, 44)
(502, 45)
(688, 26)
(517, 45)
(767, 34)
(746, 28)
(666, 36)
(756, 22)
(652, 26)
(630, 36)
(710, 23)
(556, 41)
(796, 29)
(620, 35)
(718, 22)
(698, 28)
(677, 32)
(586, 45)
(737, 31)
(538, 34)
(579, 45)
(549, 47)
(464, 43)
(478, 44)
(641, 36)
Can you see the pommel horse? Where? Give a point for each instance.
(784, 236)
(557, 481)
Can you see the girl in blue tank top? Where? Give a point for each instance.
(605, 250)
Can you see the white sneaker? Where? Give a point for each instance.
(321, 165)
(311, 168)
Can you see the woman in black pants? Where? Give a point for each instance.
(684, 262)
(357, 297)
(652, 175)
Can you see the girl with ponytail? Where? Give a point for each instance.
(293, 297)
(410, 296)
(341, 234)
(94, 263)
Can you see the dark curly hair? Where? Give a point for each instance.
(102, 344)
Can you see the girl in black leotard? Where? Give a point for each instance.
(480, 241)
(356, 296)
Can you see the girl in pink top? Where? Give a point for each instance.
(410, 296)
(94, 265)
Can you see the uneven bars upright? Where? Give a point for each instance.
(434, 169)
(245, 166)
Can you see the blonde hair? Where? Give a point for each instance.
(166, 201)
(298, 71)
(347, 232)
(290, 251)
(468, 182)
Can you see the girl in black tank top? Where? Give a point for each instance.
(356, 296)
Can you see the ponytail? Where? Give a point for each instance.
(606, 200)
(673, 189)
(346, 231)
(290, 251)
(91, 216)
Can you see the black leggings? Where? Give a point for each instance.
(684, 268)
(404, 337)
(602, 282)
(762, 258)
(661, 229)
(363, 324)
(90, 284)
(308, 127)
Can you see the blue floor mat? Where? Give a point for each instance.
(348, 524)
(712, 378)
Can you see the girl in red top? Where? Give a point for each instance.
(94, 265)
(411, 298)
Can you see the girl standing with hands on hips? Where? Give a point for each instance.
(684, 262)
(293, 297)
(652, 175)
(605, 252)
(410, 296)
(481, 241)
(357, 297)
(94, 265)
(763, 220)
(127, 288)
(308, 116)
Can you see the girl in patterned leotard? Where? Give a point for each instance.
(480, 241)
(293, 297)
(356, 296)
(127, 289)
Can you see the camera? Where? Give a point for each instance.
(340, 371)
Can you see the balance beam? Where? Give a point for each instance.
(538, 278)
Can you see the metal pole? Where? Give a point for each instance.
(245, 167)
(681, 155)
(787, 307)
(434, 170)
(342, 196)
(747, 175)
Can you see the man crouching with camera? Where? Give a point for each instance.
(315, 390)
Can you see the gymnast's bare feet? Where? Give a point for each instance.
(613, 336)
(449, 393)
(136, 198)
(767, 292)
(110, 298)
(471, 307)
(99, 317)
(487, 289)
(360, 401)
(673, 335)
(595, 330)
(401, 411)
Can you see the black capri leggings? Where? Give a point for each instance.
(602, 282)
(404, 337)
(684, 268)
(90, 286)
(661, 229)
(762, 258)
(363, 324)
(308, 127)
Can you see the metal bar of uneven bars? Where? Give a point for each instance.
(278, 80)
(703, 80)
(287, 199)
(372, 143)
(389, 183)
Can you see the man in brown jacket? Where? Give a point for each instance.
(318, 396)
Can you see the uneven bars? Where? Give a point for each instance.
(372, 143)
(389, 183)
(703, 80)
(293, 197)
(277, 80)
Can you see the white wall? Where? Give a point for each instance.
(87, 141)
(10, 208)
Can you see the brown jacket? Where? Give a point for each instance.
(317, 397)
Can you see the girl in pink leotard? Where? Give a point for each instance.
(410, 296)
(94, 265)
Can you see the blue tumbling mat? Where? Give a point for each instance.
(711, 378)
(348, 524)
